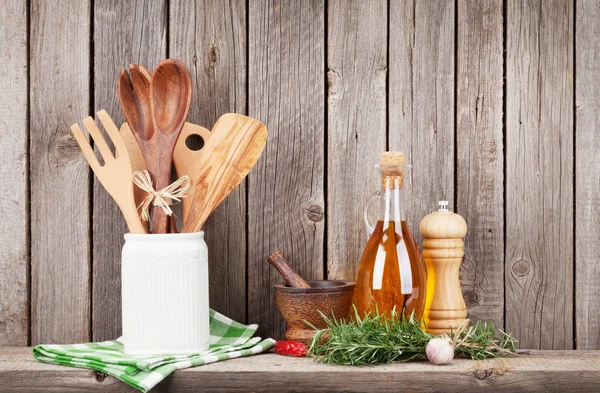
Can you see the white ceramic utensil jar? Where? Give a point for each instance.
(165, 293)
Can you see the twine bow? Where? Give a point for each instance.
(163, 198)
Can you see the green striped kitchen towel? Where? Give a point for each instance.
(228, 339)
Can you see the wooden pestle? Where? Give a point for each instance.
(291, 278)
(442, 233)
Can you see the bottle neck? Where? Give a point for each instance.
(391, 207)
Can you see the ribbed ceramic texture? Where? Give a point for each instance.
(165, 294)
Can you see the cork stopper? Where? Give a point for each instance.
(392, 158)
(392, 169)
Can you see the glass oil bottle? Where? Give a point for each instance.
(391, 274)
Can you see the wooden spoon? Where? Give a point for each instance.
(292, 279)
(189, 162)
(170, 99)
(233, 148)
(134, 95)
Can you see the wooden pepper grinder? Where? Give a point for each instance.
(442, 233)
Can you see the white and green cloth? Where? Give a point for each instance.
(228, 339)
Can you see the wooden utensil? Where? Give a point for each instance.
(233, 148)
(290, 277)
(136, 157)
(443, 232)
(134, 96)
(170, 99)
(115, 174)
(189, 162)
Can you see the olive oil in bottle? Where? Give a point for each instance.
(391, 274)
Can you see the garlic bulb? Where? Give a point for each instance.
(440, 350)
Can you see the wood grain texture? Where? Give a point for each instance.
(540, 371)
(115, 172)
(443, 252)
(188, 162)
(291, 278)
(480, 156)
(170, 97)
(539, 173)
(210, 38)
(421, 101)
(587, 174)
(60, 227)
(234, 147)
(124, 33)
(356, 98)
(285, 189)
(14, 177)
(303, 308)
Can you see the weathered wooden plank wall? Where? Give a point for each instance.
(587, 174)
(356, 78)
(480, 155)
(14, 209)
(285, 190)
(124, 33)
(210, 37)
(481, 94)
(60, 91)
(539, 173)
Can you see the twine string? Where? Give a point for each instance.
(163, 198)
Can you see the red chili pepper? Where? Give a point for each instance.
(290, 348)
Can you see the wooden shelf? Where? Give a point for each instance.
(538, 371)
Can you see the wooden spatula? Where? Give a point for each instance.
(115, 174)
(189, 162)
(233, 148)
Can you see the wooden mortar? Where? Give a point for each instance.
(333, 298)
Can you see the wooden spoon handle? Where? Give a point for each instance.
(291, 278)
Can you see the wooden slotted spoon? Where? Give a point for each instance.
(235, 144)
(115, 174)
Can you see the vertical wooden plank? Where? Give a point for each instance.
(285, 189)
(60, 246)
(539, 173)
(480, 156)
(14, 209)
(587, 214)
(124, 33)
(421, 100)
(210, 37)
(356, 77)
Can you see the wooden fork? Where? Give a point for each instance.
(115, 174)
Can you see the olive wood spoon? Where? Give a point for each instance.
(291, 278)
(170, 99)
(235, 144)
(188, 161)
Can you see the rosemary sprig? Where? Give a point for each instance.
(377, 339)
